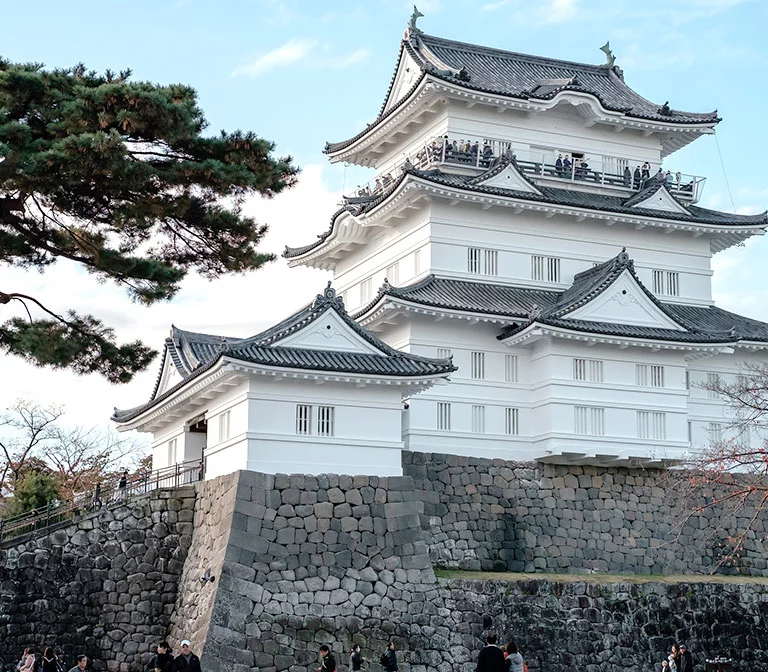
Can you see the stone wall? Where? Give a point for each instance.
(104, 585)
(495, 515)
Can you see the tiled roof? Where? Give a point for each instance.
(193, 353)
(526, 77)
(551, 195)
(702, 324)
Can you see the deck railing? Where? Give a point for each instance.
(56, 512)
(603, 170)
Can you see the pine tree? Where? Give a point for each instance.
(117, 175)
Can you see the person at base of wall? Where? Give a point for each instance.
(50, 661)
(686, 660)
(356, 659)
(491, 658)
(327, 660)
(162, 661)
(186, 661)
(27, 661)
(513, 658)
(82, 663)
(388, 659)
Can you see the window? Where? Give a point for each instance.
(666, 282)
(393, 273)
(713, 383)
(478, 419)
(172, 452)
(545, 269)
(715, 430)
(325, 420)
(482, 262)
(649, 375)
(366, 290)
(444, 353)
(224, 426)
(512, 421)
(417, 262)
(303, 419)
(588, 369)
(510, 368)
(589, 420)
(687, 380)
(478, 365)
(651, 425)
(443, 415)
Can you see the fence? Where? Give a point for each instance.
(57, 512)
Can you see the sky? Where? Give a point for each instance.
(301, 73)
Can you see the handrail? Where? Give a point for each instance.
(604, 170)
(57, 511)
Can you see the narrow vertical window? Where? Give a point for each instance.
(673, 283)
(589, 420)
(478, 365)
(444, 353)
(325, 420)
(491, 262)
(512, 421)
(713, 383)
(651, 425)
(473, 260)
(393, 274)
(224, 426)
(658, 282)
(546, 269)
(649, 375)
(715, 430)
(443, 415)
(510, 368)
(172, 452)
(303, 419)
(478, 419)
(588, 370)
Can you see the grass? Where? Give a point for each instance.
(599, 578)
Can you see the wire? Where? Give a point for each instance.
(725, 176)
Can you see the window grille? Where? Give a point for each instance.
(545, 269)
(325, 420)
(482, 262)
(651, 425)
(589, 420)
(673, 283)
(649, 375)
(303, 419)
(512, 421)
(658, 282)
(715, 430)
(478, 365)
(444, 353)
(473, 260)
(443, 415)
(510, 368)
(713, 381)
(590, 370)
(491, 258)
(666, 283)
(478, 419)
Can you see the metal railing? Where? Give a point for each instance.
(58, 511)
(604, 170)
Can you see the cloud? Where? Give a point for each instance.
(298, 50)
(293, 51)
(560, 11)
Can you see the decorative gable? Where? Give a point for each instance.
(169, 375)
(624, 302)
(508, 177)
(662, 201)
(328, 332)
(408, 72)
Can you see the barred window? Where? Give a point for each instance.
(443, 415)
(589, 420)
(649, 375)
(478, 419)
(512, 421)
(545, 269)
(510, 368)
(478, 365)
(482, 262)
(325, 420)
(303, 419)
(444, 353)
(588, 370)
(651, 425)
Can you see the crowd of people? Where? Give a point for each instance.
(678, 660)
(493, 658)
(162, 660)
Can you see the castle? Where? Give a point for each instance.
(522, 279)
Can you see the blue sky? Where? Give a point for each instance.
(303, 72)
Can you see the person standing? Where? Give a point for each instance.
(491, 658)
(50, 662)
(27, 661)
(356, 659)
(686, 660)
(186, 661)
(122, 486)
(82, 663)
(327, 660)
(162, 661)
(514, 659)
(389, 658)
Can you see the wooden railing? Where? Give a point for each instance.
(59, 511)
